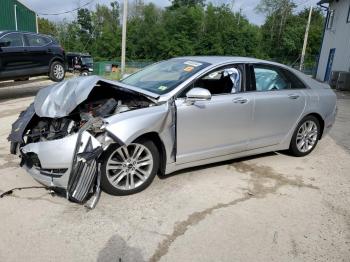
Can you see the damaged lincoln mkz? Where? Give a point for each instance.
(89, 132)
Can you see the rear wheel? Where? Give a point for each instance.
(57, 71)
(85, 73)
(305, 136)
(129, 169)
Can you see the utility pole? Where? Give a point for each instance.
(125, 17)
(301, 67)
(16, 24)
(239, 15)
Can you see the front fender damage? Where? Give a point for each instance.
(60, 141)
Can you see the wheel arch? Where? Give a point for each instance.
(155, 138)
(58, 59)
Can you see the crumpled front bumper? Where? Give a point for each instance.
(69, 163)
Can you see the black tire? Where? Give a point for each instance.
(109, 188)
(57, 71)
(84, 73)
(293, 148)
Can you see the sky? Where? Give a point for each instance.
(54, 6)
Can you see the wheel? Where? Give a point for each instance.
(57, 71)
(84, 73)
(129, 169)
(305, 136)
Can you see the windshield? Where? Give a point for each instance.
(161, 78)
(87, 60)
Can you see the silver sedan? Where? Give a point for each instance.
(175, 114)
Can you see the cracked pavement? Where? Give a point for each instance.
(271, 207)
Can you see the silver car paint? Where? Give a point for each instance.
(57, 154)
(215, 127)
(227, 131)
(158, 119)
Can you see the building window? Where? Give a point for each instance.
(330, 19)
(348, 17)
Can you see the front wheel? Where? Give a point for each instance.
(57, 71)
(305, 136)
(129, 169)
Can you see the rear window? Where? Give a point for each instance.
(296, 83)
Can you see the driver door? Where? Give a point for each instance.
(216, 127)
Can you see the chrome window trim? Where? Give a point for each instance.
(174, 93)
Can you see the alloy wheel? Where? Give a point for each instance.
(58, 71)
(128, 167)
(307, 136)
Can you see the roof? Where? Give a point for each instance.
(20, 2)
(226, 59)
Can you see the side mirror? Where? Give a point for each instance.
(197, 94)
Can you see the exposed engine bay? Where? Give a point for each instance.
(62, 151)
(96, 106)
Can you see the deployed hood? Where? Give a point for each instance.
(59, 100)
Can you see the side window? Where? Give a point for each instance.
(330, 19)
(11, 40)
(268, 78)
(227, 80)
(36, 40)
(295, 82)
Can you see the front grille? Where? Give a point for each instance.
(81, 180)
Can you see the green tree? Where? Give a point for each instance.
(47, 27)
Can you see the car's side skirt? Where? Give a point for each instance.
(170, 168)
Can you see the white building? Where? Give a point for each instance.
(335, 51)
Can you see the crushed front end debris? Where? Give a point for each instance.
(61, 136)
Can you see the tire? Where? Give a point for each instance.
(128, 171)
(57, 71)
(84, 73)
(304, 142)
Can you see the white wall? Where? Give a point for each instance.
(339, 38)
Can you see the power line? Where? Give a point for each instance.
(66, 12)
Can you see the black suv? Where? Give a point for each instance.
(25, 54)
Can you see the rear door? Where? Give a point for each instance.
(38, 51)
(12, 61)
(279, 104)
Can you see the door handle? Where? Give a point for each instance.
(240, 100)
(49, 50)
(293, 96)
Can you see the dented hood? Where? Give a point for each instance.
(59, 100)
